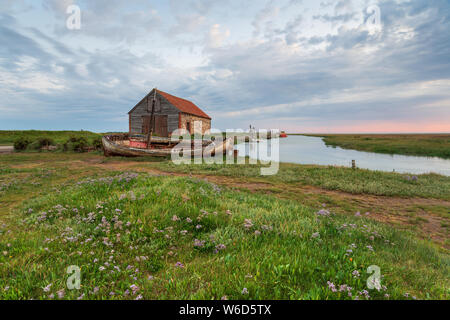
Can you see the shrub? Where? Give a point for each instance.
(34, 145)
(97, 143)
(45, 142)
(41, 143)
(21, 143)
(78, 144)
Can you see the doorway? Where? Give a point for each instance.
(161, 128)
(188, 126)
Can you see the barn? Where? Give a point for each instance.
(170, 113)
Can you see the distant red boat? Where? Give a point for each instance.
(283, 134)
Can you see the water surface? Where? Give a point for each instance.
(312, 150)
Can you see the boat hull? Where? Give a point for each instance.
(113, 147)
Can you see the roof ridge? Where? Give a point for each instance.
(174, 96)
(185, 105)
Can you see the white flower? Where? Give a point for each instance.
(61, 293)
(47, 288)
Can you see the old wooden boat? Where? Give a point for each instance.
(136, 146)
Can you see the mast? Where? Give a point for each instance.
(152, 120)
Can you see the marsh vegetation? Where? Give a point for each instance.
(142, 229)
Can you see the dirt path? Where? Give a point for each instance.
(6, 149)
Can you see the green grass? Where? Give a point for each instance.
(429, 145)
(8, 137)
(293, 257)
(285, 261)
(359, 181)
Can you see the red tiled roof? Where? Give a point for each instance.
(183, 105)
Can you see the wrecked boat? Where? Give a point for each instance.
(138, 146)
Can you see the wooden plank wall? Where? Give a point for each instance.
(141, 110)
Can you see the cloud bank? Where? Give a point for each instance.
(305, 66)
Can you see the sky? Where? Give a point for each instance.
(323, 66)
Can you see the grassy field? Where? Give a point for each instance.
(141, 229)
(55, 141)
(9, 137)
(359, 181)
(430, 145)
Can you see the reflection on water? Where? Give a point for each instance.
(312, 150)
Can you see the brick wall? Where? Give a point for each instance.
(185, 118)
